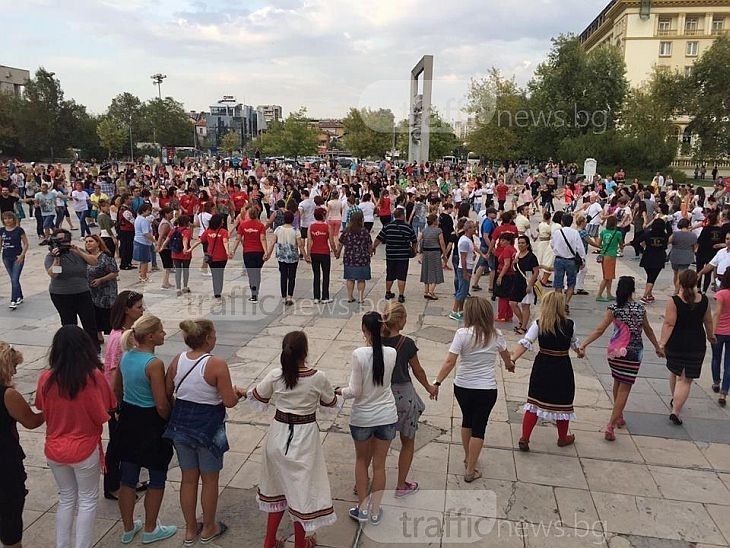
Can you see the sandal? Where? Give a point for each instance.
(310, 542)
(609, 435)
(621, 422)
(474, 476)
(519, 330)
(433, 297)
(222, 528)
(523, 444)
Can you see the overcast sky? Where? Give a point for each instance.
(326, 55)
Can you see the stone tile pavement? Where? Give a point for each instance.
(656, 485)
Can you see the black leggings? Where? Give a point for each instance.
(321, 265)
(703, 283)
(652, 274)
(77, 304)
(126, 244)
(288, 277)
(476, 405)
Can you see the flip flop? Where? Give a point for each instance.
(222, 528)
(475, 476)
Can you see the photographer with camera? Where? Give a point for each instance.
(69, 288)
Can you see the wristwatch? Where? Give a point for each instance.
(436, 383)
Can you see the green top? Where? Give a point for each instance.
(610, 240)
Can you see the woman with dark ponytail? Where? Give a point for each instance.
(373, 417)
(293, 471)
(625, 349)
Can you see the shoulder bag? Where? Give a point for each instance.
(599, 259)
(200, 359)
(208, 257)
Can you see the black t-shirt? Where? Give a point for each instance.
(7, 203)
(407, 350)
(446, 224)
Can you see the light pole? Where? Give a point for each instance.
(157, 81)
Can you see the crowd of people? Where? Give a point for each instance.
(427, 214)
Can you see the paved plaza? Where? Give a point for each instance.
(657, 485)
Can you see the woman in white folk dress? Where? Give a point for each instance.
(293, 472)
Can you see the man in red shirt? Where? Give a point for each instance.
(501, 189)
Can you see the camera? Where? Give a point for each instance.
(60, 243)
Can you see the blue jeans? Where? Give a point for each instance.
(14, 269)
(462, 291)
(564, 267)
(722, 340)
(418, 226)
(82, 223)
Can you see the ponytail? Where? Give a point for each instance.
(294, 350)
(372, 323)
(688, 285)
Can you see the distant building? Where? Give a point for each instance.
(667, 34)
(462, 128)
(330, 132)
(271, 113)
(13, 80)
(228, 115)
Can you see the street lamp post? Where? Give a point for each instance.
(157, 81)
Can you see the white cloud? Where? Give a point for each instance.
(324, 54)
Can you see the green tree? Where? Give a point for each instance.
(9, 105)
(229, 142)
(112, 135)
(166, 122)
(368, 133)
(496, 104)
(710, 101)
(294, 137)
(126, 110)
(442, 140)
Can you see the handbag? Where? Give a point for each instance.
(599, 259)
(576, 258)
(208, 257)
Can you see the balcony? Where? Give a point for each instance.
(720, 32)
(694, 32)
(667, 32)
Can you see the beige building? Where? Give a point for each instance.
(669, 34)
(13, 80)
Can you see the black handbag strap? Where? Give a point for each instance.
(200, 359)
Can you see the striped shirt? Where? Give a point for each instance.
(398, 237)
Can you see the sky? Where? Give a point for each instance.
(326, 55)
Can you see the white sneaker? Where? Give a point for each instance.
(325, 301)
(18, 301)
(206, 273)
(13, 305)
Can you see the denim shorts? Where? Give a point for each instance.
(384, 432)
(463, 288)
(129, 476)
(191, 457)
(564, 268)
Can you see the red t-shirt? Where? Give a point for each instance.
(164, 201)
(73, 427)
(186, 236)
(214, 240)
(503, 254)
(501, 229)
(250, 232)
(723, 322)
(384, 207)
(319, 232)
(188, 203)
(239, 200)
(501, 191)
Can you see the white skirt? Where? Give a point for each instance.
(295, 478)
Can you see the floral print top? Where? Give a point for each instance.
(357, 247)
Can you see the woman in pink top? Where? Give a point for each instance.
(127, 308)
(76, 399)
(721, 321)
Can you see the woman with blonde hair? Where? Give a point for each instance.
(139, 383)
(476, 346)
(201, 384)
(552, 384)
(687, 323)
(13, 409)
(407, 402)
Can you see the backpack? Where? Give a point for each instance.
(176, 241)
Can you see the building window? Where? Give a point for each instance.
(718, 24)
(665, 49)
(665, 23)
(688, 71)
(691, 26)
(692, 48)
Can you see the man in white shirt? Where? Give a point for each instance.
(306, 213)
(566, 244)
(593, 214)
